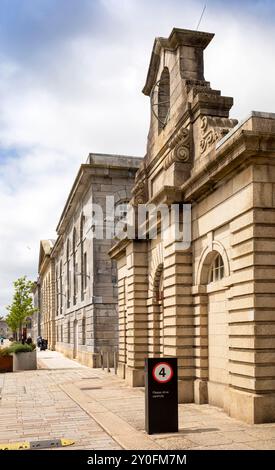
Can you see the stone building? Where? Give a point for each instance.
(46, 271)
(36, 323)
(5, 331)
(85, 277)
(211, 305)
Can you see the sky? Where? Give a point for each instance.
(71, 75)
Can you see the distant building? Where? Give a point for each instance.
(4, 329)
(46, 292)
(78, 281)
(36, 324)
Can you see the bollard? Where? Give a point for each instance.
(108, 363)
(115, 361)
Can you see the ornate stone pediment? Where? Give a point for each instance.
(179, 148)
(212, 130)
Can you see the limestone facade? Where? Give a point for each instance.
(35, 319)
(210, 304)
(85, 277)
(46, 271)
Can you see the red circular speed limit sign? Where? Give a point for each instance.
(162, 372)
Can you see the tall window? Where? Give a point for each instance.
(163, 98)
(83, 330)
(69, 332)
(216, 269)
(61, 287)
(56, 291)
(85, 271)
(74, 268)
(68, 275)
(82, 264)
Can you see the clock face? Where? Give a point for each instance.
(160, 99)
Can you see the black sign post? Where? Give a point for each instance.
(161, 395)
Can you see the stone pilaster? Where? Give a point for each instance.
(137, 329)
(200, 302)
(178, 316)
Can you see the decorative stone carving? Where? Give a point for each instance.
(179, 148)
(213, 129)
(140, 188)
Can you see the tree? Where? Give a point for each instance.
(22, 304)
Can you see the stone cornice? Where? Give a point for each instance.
(56, 246)
(119, 248)
(167, 195)
(227, 159)
(86, 171)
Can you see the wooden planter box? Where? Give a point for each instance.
(6, 364)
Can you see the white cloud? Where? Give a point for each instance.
(82, 93)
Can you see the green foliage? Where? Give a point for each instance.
(22, 306)
(4, 352)
(16, 348)
(19, 347)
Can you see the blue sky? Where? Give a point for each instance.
(71, 75)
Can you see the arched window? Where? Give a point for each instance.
(68, 274)
(83, 281)
(69, 332)
(216, 269)
(163, 98)
(74, 268)
(83, 330)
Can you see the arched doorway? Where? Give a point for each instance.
(213, 269)
(75, 349)
(218, 339)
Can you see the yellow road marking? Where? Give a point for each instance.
(31, 445)
(15, 446)
(66, 442)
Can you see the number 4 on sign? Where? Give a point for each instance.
(162, 372)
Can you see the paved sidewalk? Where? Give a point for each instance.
(119, 409)
(33, 407)
(99, 411)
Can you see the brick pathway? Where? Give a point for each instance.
(64, 399)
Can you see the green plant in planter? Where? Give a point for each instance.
(4, 352)
(19, 347)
